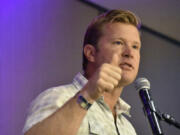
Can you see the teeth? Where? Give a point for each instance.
(128, 64)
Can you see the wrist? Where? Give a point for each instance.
(83, 102)
(87, 96)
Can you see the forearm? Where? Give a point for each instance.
(65, 121)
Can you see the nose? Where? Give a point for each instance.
(127, 52)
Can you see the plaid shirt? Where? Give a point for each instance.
(99, 119)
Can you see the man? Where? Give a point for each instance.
(91, 105)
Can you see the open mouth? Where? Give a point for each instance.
(126, 65)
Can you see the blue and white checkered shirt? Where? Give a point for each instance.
(99, 119)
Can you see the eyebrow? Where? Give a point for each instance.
(135, 42)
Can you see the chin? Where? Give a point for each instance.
(126, 80)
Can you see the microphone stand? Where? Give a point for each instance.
(163, 117)
(168, 119)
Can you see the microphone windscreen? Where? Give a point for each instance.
(142, 83)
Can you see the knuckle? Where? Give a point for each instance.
(103, 66)
(109, 86)
(116, 82)
(101, 74)
(118, 76)
(120, 71)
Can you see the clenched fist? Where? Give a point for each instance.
(105, 79)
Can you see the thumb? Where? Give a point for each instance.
(115, 60)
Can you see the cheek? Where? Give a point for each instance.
(106, 55)
(101, 58)
(106, 58)
(137, 61)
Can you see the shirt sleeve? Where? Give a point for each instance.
(46, 104)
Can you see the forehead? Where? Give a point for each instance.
(121, 30)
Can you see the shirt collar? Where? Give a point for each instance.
(121, 107)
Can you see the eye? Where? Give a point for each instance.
(118, 42)
(135, 46)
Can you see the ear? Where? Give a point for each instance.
(89, 52)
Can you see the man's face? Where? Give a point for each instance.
(123, 40)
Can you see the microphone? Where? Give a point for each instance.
(142, 85)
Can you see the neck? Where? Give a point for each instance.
(112, 98)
